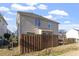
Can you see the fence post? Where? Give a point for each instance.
(21, 44)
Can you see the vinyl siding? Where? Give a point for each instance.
(27, 24)
(3, 27)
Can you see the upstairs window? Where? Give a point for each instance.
(49, 25)
(37, 22)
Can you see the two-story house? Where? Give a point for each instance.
(33, 23)
(3, 26)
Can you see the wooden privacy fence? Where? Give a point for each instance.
(30, 43)
(66, 41)
(69, 41)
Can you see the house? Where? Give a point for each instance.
(15, 33)
(8, 31)
(61, 36)
(3, 26)
(73, 33)
(33, 23)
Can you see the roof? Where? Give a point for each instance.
(3, 19)
(74, 29)
(35, 15)
(77, 30)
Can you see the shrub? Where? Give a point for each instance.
(7, 36)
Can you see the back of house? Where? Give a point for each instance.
(33, 23)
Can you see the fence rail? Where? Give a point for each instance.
(30, 43)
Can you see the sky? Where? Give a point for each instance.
(67, 14)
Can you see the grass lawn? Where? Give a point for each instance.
(53, 51)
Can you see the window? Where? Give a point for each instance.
(49, 25)
(37, 22)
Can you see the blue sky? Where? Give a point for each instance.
(64, 13)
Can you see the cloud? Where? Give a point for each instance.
(68, 26)
(11, 27)
(42, 6)
(8, 18)
(58, 12)
(22, 8)
(32, 4)
(41, 1)
(4, 9)
(67, 22)
(50, 17)
(11, 13)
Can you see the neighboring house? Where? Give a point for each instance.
(62, 36)
(32, 23)
(8, 31)
(3, 26)
(15, 33)
(73, 33)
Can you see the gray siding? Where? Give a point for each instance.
(3, 27)
(27, 24)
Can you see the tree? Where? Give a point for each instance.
(7, 36)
